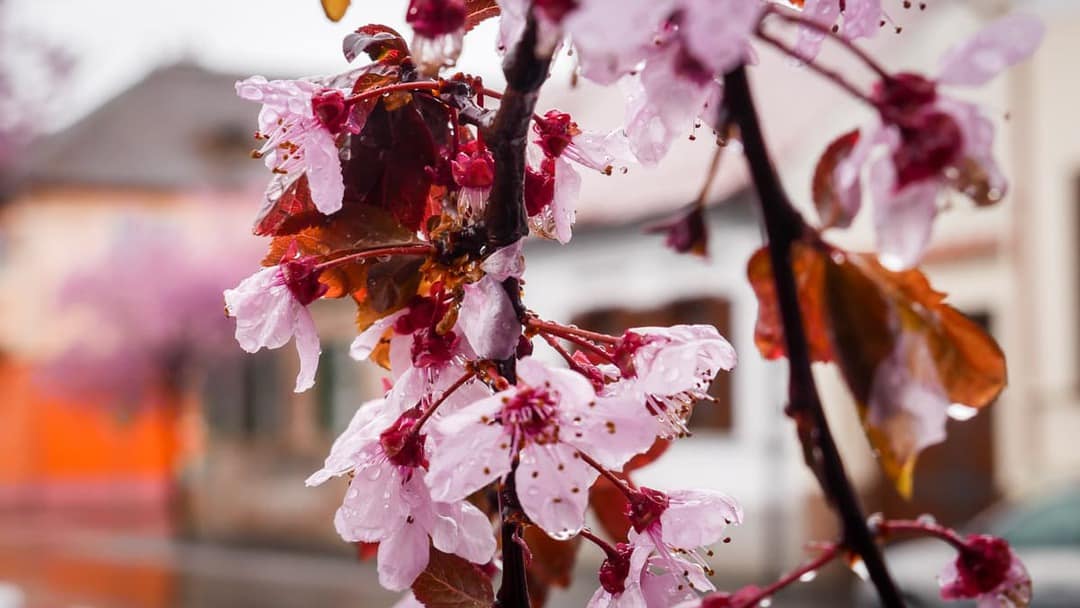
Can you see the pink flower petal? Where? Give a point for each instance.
(360, 517)
(907, 398)
(564, 202)
(903, 220)
(613, 36)
(717, 32)
(553, 487)
(402, 557)
(307, 346)
(368, 339)
(363, 429)
(488, 319)
(1005, 42)
(698, 518)
(506, 262)
(471, 453)
(462, 529)
(661, 106)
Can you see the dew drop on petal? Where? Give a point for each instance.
(926, 519)
(765, 602)
(961, 412)
(808, 576)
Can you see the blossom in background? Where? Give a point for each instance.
(299, 122)
(388, 503)
(987, 571)
(271, 307)
(932, 142)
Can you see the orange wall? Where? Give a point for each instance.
(61, 450)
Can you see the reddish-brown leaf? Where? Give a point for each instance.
(808, 266)
(872, 310)
(827, 200)
(356, 227)
(609, 505)
(476, 11)
(452, 582)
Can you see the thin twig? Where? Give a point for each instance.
(829, 74)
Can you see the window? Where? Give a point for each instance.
(706, 310)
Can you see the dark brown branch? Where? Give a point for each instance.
(506, 222)
(783, 226)
(505, 217)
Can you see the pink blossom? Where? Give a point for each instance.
(270, 308)
(681, 522)
(1004, 43)
(861, 19)
(612, 37)
(989, 572)
(932, 142)
(717, 32)
(487, 317)
(663, 101)
(668, 369)
(298, 141)
(388, 503)
(636, 577)
(547, 418)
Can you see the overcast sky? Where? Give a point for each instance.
(116, 42)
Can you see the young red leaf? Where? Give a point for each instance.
(453, 582)
(834, 207)
(808, 266)
(379, 42)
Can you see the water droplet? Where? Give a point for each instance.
(961, 412)
(859, 568)
(373, 473)
(765, 602)
(808, 576)
(353, 493)
(926, 519)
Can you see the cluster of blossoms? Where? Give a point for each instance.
(386, 179)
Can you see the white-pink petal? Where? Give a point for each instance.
(488, 319)
(403, 556)
(564, 199)
(553, 487)
(698, 518)
(470, 454)
(904, 220)
(506, 262)
(1005, 42)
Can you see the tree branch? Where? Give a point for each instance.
(784, 225)
(505, 218)
(506, 222)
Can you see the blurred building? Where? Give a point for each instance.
(179, 139)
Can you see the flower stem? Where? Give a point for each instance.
(564, 330)
(783, 226)
(829, 33)
(599, 542)
(828, 554)
(579, 342)
(926, 528)
(827, 73)
(412, 249)
(622, 484)
(434, 406)
(420, 85)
